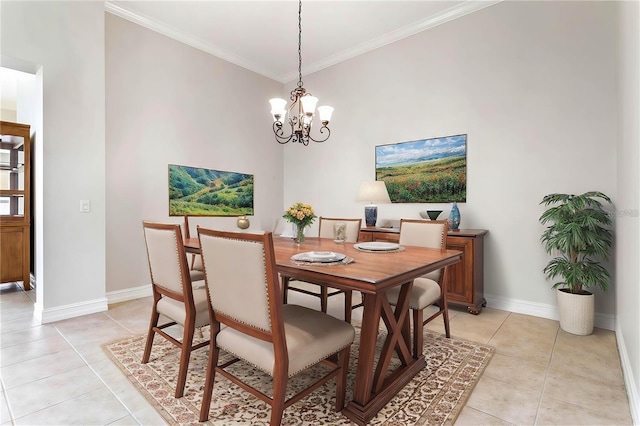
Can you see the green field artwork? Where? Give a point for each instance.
(424, 171)
(195, 191)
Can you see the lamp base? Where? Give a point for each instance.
(370, 215)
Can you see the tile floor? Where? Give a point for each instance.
(58, 373)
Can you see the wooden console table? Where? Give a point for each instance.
(465, 281)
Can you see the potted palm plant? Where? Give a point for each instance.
(579, 235)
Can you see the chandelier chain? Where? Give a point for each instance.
(300, 43)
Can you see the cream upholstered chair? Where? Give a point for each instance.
(174, 296)
(281, 340)
(323, 293)
(197, 270)
(429, 289)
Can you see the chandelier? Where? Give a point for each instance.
(302, 108)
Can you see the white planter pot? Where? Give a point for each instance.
(576, 312)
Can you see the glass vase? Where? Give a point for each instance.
(299, 237)
(454, 217)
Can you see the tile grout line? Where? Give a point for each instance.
(546, 375)
(93, 370)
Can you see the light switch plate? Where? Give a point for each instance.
(85, 206)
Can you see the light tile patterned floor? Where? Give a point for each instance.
(58, 374)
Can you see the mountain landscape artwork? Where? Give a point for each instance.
(195, 191)
(424, 171)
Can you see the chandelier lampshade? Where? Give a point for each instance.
(299, 116)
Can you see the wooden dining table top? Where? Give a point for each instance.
(370, 272)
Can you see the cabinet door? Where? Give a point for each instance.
(365, 237)
(386, 236)
(12, 254)
(460, 275)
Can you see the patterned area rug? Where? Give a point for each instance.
(434, 397)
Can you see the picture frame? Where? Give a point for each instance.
(430, 170)
(196, 191)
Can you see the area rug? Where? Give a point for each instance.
(434, 397)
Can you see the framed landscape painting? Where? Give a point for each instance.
(424, 171)
(195, 191)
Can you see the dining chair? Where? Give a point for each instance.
(174, 295)
(196, 271)
(429, 289)
(325, 230)
(249, 321)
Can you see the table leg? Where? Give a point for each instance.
(372, 389)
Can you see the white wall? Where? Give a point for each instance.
(8, 115)
(64, 41)
(168, 103)
(628, 206)
(532, 84)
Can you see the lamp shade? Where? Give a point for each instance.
(373, 192)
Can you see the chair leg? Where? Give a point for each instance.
(341, 379)
(445, 317)
(347, 305)
(445, 303)
(324, 296)
(406, 329)
(279, 395)
(155, 316)
(285, 289)
(214, 352)
(187, 343)
(418, 332)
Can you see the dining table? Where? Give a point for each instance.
(372, 273)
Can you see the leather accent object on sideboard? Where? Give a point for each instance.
(465, 281)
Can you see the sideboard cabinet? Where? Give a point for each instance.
(465, 280)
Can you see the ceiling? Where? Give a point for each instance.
(262, 35)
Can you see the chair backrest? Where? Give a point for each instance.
(241, 277)
(353, 228)
(167, 259)
(425, 233)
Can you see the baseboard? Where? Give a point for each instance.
(69, 311)
(606, 321)
(633, 393)
(129, 294)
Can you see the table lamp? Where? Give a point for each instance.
(372, 192)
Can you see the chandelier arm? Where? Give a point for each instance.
(322, 129)
(279, 134)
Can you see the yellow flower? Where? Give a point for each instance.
(300, 214)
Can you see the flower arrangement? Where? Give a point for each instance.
(301, 215)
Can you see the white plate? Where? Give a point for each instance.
(318, 256)
(322, 254)
(377, 246)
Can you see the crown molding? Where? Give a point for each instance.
(447, 15)
(419, 26)
(180, 36)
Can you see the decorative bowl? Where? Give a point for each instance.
(430, 214)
